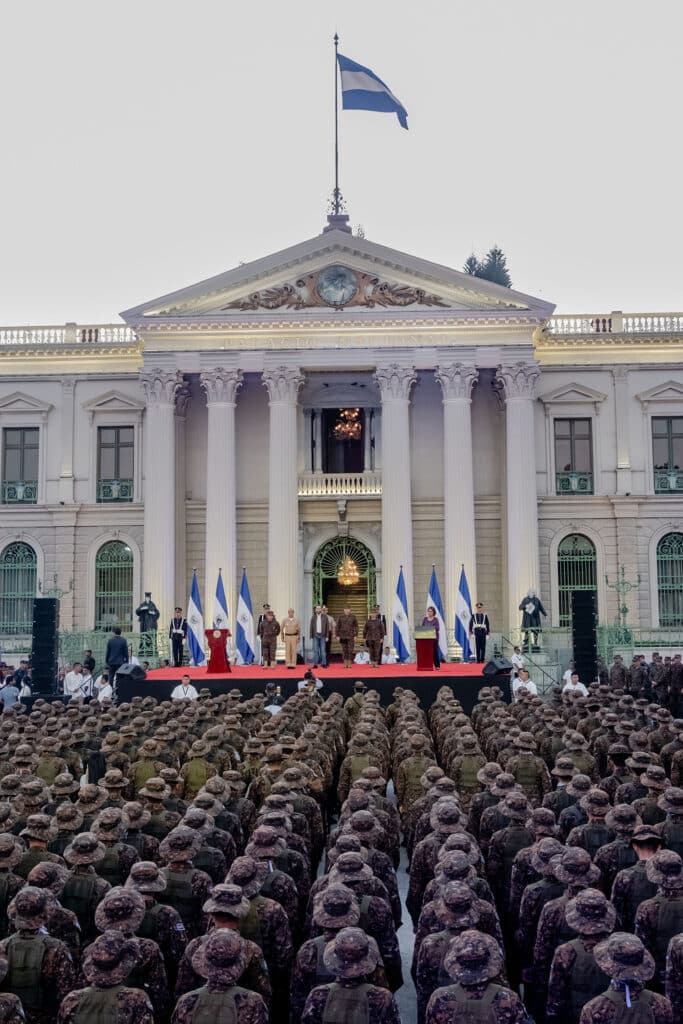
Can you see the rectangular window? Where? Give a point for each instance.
(667, 454)
(20, 447)
(573, 456)
(115, 457)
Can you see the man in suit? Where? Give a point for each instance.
(480, 629)
(116, 654)
(319, 632)
(177, 634)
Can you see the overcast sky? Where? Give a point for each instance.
(151, 143)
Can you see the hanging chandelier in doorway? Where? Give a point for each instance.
(348, 574)
(348, 426)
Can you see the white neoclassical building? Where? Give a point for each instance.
(342, 405)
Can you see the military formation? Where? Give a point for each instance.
(185, 862)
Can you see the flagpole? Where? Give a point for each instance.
(336, 195)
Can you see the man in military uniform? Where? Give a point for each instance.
(84, 888)
(445, 818)
(39, 830)
(196, 769)
(408, 776)
(595, 832)
(187, 888)
(291, 634)
(161, 923)
(11, 852)
(110, 829)
(624, 959)
(632, 885)
(269, 631)
(177, 634)
(374, 632)
(505, 845)
(671, 829)
(347, 631)
(659, 918)
(109, 961)
(221, 960)
(61, 923)
(619, 854)
(575, 978)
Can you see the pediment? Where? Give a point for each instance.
(20, 402)
(335, 272)
(670, 391)
(572, 394)
(113, 401)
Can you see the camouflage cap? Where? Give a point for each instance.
(579, 785)
(30, 908)
(109, 825)
(590, 913)
(574, 867)
(654, 777)
(622, 819)
(11, 850)
(346, 842)
(542, 822)
(40, 827)
(351, 954)
(665, 869)
(336, 907)
(464, 843)
(181, 844)
(90, 798)
(445, 816)
(473, 958)
(85, 848)
(10, 785)
(671, 800)
(350, 867)
(504, 784)
(595, 803)
(120, 908)
(64, 785)
(220, 956)
(455, 866)
(24, 755)
(200, 748)
(543, 856)
(34, 793)
(145, 876)
(217, 786)
(516, 807)
(639, 761)
(227, 899)
(525, 741)
(150, 748)
(564, 767)
(155, 789)
(273, 754)
(623, 957)
(68, 817)
(249, 874)
(110, 959)
(488, 774)
(457, 906)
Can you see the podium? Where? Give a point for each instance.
(218, 659)
(424, 646)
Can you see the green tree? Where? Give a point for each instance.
(472, 266)
(492, 268)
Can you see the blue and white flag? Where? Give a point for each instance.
(195, 624)
(220, 605)
(245, 625)
(400, 620)
(363, 90)
(463, 614)
(434, 600)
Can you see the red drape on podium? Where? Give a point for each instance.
(218, 659)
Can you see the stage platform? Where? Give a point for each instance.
(464, 680)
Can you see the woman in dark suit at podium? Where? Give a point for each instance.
(431, 621)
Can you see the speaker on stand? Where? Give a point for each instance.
(45, 644)
(584, 638)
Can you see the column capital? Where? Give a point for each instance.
(283, 383)
(160, 386)
(182, 400)
(518, 380)
(456, 380)
(221, 384)
(395, 381)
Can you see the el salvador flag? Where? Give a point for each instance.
(434, 599)
(195, 624)
(463, 614)
(363, 90)
(245, 625)
(220, 608)
(400, 620)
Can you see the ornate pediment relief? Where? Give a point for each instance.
(19, 402)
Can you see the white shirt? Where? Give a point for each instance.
(388, 658)
(567, 676)
(318, 623)
(304, 683)
(519, 661)
(73, 681)
(529, 686)
(362, 658)
(578, 688)
(105, 692)
(184, 693)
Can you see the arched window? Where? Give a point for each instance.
(576, 570)
(114, 586)
(670, 579)
(17, 589)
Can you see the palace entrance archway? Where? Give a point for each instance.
(344, 575)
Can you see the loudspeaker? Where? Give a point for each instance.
(133, 673)
(584, 640)
(496, 665)
(45, 643)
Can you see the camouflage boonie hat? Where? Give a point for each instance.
(30, 908)
(200, 748)
(68, 818)
(665, 869)
(181, 844)
(504, 784)
(146, 877)
(574, 867)
(114, 779)
(120, 908)
(227, 899)
(265, 843)
(208, 804)
(220, 956)
(84, 848)
(622, 819)
(644, 834)
(155, 789)
(336, 907)
(150, 748)
(525, 741)
(564, 767)
(135, 815)
(64, 785)
(445, 816)
(34, 793)
(346, 842)
(110, 959)
(543, 856)
(351, 954)
(90, 798)
(579, 785)
(638, 761)
(595, 803)
(24, 755)
(11, 850)
(473, 958)
(671, 800)
(273, 754)
(454, 867)
(109, 825)
(515, 806)
(623, 957)
(457, 906)
(542, 822)
(461, 842)
(350, 867)
(488, 774)
(654, 777)
(217, 786)
(10, 785)
(40, 827)
(249, 874)
(590, 913)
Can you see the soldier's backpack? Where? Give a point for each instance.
(517, 837)
(216, 1006)
(587, 979)
(79, 896)
(149, 926)
(25, 973)
(48, 768)
(196, 775)
(641, 889)
(476, 1011)
(596, 835)
(250, 925)
(346, 1005)
(323, 976)
(672, 834)
(98, 1006)
(527, 772)
(109, 867)
(469, 767)
(640, 1011)
(179, 894)
(142, 771)
(358, 763)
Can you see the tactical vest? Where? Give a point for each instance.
(98, 1005)
(60, 842)
(587, 980)
(475, 1011)
(527, 773)
(565, 932)
(25, 974)
(149, 926)
(250, 925)
(641, 1011)
(157, 826)
(143, 771)
(672, 834)
(358, 763)
(651, 813)
(48, 768)
(346, 1005)
(595, 835)
(33, 856)
(641, 889)
(4, 900)
(469, 767)
(79, 897)
(516, 838)
(204, 860)
(196, 776)
(669, 923)
(322, 975)
(179, 894)
(216, 1006)
(136, 839)
(109, 867)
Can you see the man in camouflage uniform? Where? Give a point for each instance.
(39, 831)
(529, 770)
(62, 924)
(671, 829)
(11, 1011)
(110, 829)
(269, 631)
(445, 819)
(660, 918)
(464, 769)
(595, 833)
(504, 847)
(187, 888)
(575, 978)
(196, 769)
(11, 852)
(632, 885)
(107, 964)
(161, 923)
(619, 854)
(221, 960)
(624, 959)
(84, 889)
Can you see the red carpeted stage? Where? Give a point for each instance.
(464, 680)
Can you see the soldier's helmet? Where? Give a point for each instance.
(227, 899)
(623, 957)
(85, 848)
(273, 754)
(473, 958)
(120, 908)
(110, 959)
(48, 875)
(543, 855)
(30, 908)
(590, 913)
(181, 844)
(145, 877)
(221, 957)
(351, 954)
(666, 870)
(336, 907)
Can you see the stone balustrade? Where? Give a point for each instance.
(342, 485)
(67, 334)
(616, 323)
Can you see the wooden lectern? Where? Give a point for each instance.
(424, 645)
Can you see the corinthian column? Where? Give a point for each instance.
(395, 383)
(158, 562)
(517, 384)
(457, 380)
(221, 386)
(283, 383)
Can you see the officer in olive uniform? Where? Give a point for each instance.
(347, 631)
(221, 960)
(628, 965)
(269, 631)
(575, 977)
(108, 963)
(291, 634)
(374, 632)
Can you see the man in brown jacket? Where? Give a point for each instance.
(347, 631)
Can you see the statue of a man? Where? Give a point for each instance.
(148, 614)
(531, 609)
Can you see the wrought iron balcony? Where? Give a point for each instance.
(668, 481)
(573, 483)
(340, 485)
(19, 492)
(114, 490)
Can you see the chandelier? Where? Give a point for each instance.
(348, 426)
(348, 573)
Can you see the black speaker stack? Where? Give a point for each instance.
(584, 639)
(45, 646)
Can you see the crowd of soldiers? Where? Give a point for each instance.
(194, 861)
